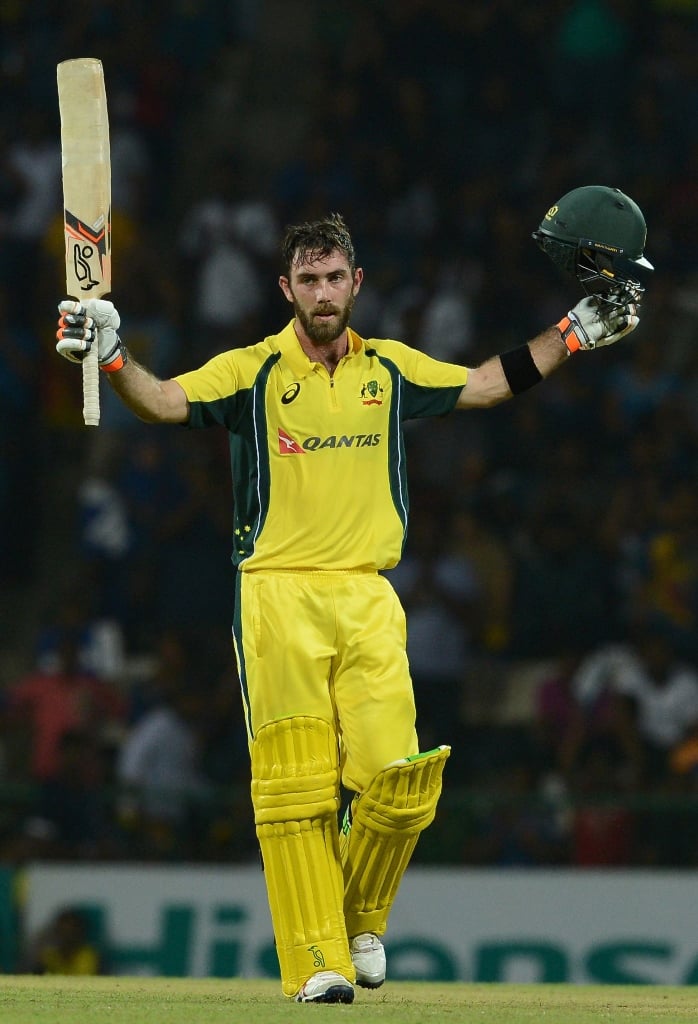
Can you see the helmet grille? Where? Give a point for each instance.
(598, 271)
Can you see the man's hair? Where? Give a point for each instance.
(315, 240)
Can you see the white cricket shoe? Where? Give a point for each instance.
(368, 956)
(326, 987)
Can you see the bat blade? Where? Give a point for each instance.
(82, 101)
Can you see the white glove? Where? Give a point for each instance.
(595, 322)
(78, 326)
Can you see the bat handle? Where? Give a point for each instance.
(90, 386)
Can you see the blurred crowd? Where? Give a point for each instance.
(550, 576)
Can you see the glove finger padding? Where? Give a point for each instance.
(76, 331)
(80, 325)
(618, 321)
(73, 350)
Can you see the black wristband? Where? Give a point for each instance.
(519, 369)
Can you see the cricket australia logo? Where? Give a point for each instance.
(371, 393)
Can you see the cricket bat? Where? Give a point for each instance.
(82, 102)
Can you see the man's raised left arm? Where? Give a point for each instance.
(593, 323)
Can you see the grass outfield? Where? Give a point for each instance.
(54, 1000)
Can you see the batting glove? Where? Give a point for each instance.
(78, 327)
(595, 322)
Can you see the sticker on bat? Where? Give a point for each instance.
(88, 244)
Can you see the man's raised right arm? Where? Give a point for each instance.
(151, 399)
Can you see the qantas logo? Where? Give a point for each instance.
(287, 445)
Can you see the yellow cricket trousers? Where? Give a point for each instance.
(330, 645)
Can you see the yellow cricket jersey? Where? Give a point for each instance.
(318, 462)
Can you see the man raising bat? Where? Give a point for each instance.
(319, 632)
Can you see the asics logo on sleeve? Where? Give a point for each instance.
(290, 393)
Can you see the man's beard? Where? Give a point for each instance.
(324, 332)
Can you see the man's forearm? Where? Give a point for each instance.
(500, 377)
(548, 351)
(150, 399)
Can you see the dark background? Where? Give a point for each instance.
(541, 530)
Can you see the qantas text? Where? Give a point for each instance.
(312, 444)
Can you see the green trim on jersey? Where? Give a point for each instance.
(413, 401)
(242, 412)
(397, 455)
(249, 453)
(240, 654)
(318, 462)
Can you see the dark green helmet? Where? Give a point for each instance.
(597, 234)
